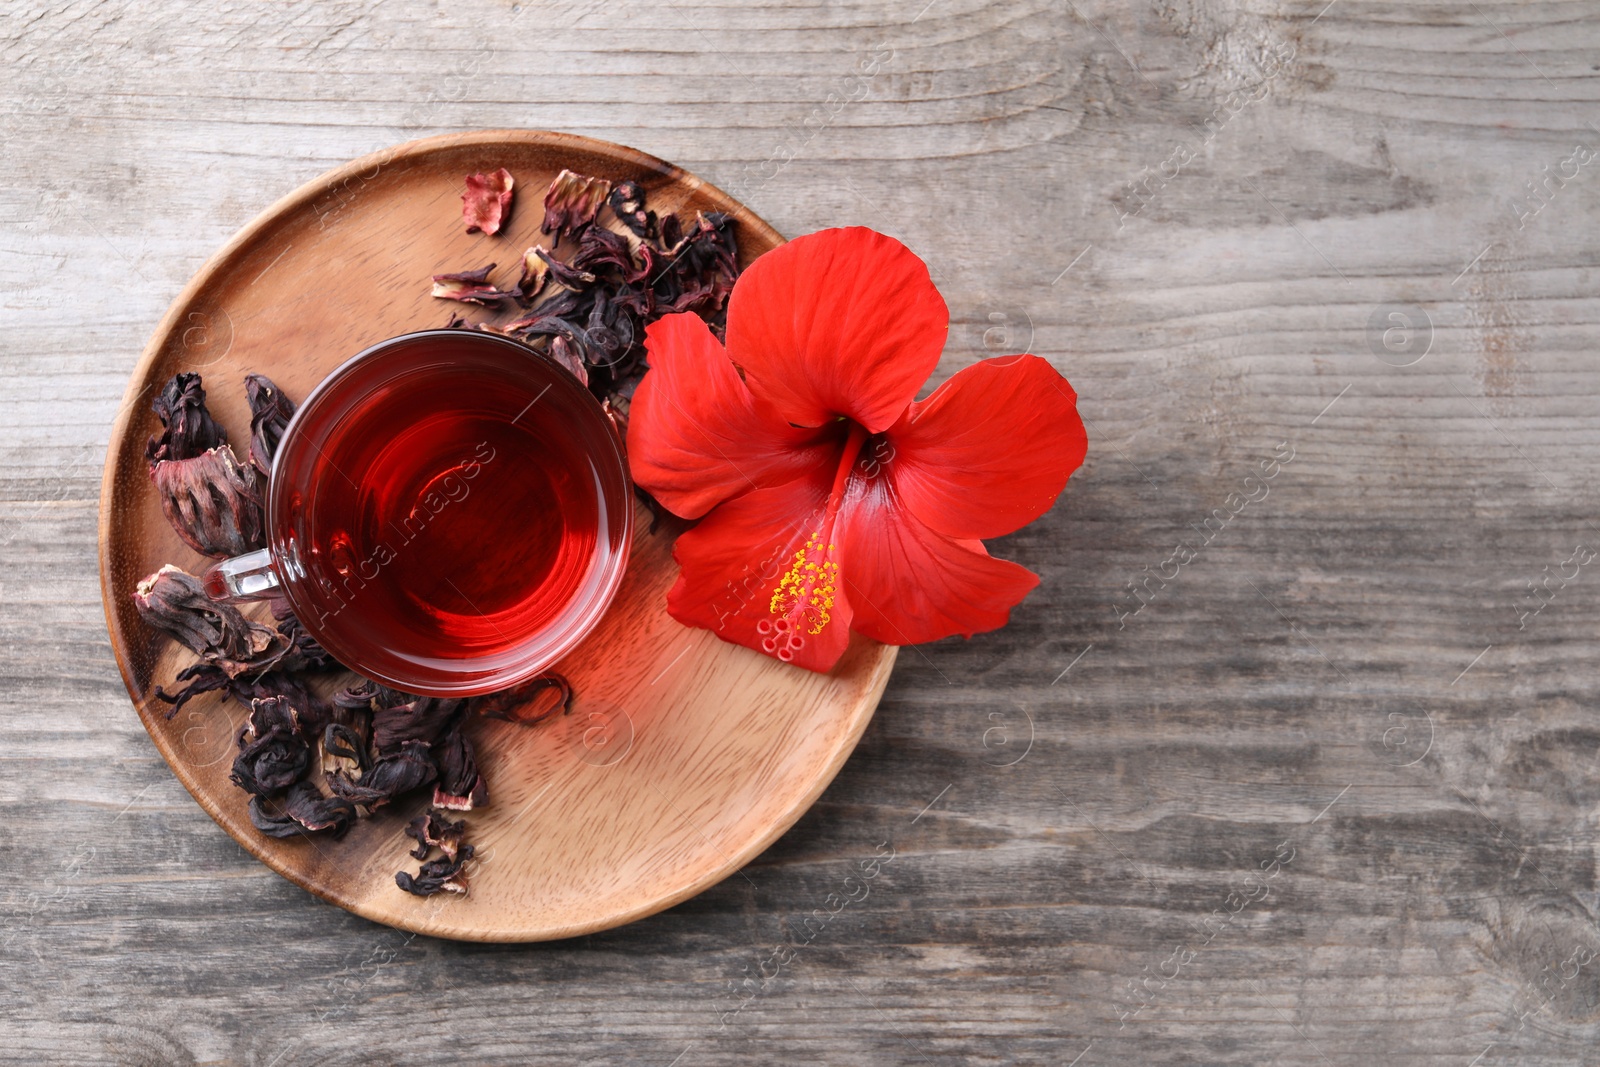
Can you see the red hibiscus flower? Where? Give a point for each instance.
(829, 499)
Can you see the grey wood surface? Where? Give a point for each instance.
(1330, 795)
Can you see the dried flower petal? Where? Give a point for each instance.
(627, 203)
(270, 412)
(173, 601)
(360, 696)
(388, 777)
(602, 252)
(212, 502)
(187, 427)
(527, 704)
(301, 651)
(565, 273)
(487, 201)
(443, 875)
(343, 751)
(461, 787)
(535, 272)
(424, 719)
(471, 287)
(572, 202)
(565, 353)
(272, 753)
(433, 831)
(245, 687)
(303, 809)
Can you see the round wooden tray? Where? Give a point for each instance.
(683, 757)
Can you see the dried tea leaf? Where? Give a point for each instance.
(572, 202)
(487, 201)
(270, 412)
(212, 502)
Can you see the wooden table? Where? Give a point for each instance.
(1293, 769)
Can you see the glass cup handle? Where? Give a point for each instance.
(243, 578)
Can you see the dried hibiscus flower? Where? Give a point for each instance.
(273, 753)
(344, 751)
(210, 499)
(388, 777)
(245, 687)
(460, 787)
(535, 272)
(627, 203)
(212, 502)
(443, 875)
(471, 287)
(528, 703)
(420, 718)
(270, 412)
(572, 202)
(187, 429)
(174, 601)
(614, 284)
(303, 809)
(434, 831)
(487, 201)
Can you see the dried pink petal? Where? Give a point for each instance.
(487, 201)
(471, 287)
(535, 272)
(565, 353)
(572, 202)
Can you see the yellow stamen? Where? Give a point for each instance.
(805, 592)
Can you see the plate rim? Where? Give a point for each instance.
(864, 706)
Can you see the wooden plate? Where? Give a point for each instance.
(683, 757)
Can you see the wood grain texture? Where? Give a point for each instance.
(681, 758)
(1352, 639)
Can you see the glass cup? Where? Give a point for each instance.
(449, 513)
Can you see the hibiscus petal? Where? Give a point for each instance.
(697, 437)
(839, 322)
(485, 203)
(990, 450)
(734, 560)
(909, 584)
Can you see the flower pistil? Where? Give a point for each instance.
(804, 597)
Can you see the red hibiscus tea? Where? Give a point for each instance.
(449, 512)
